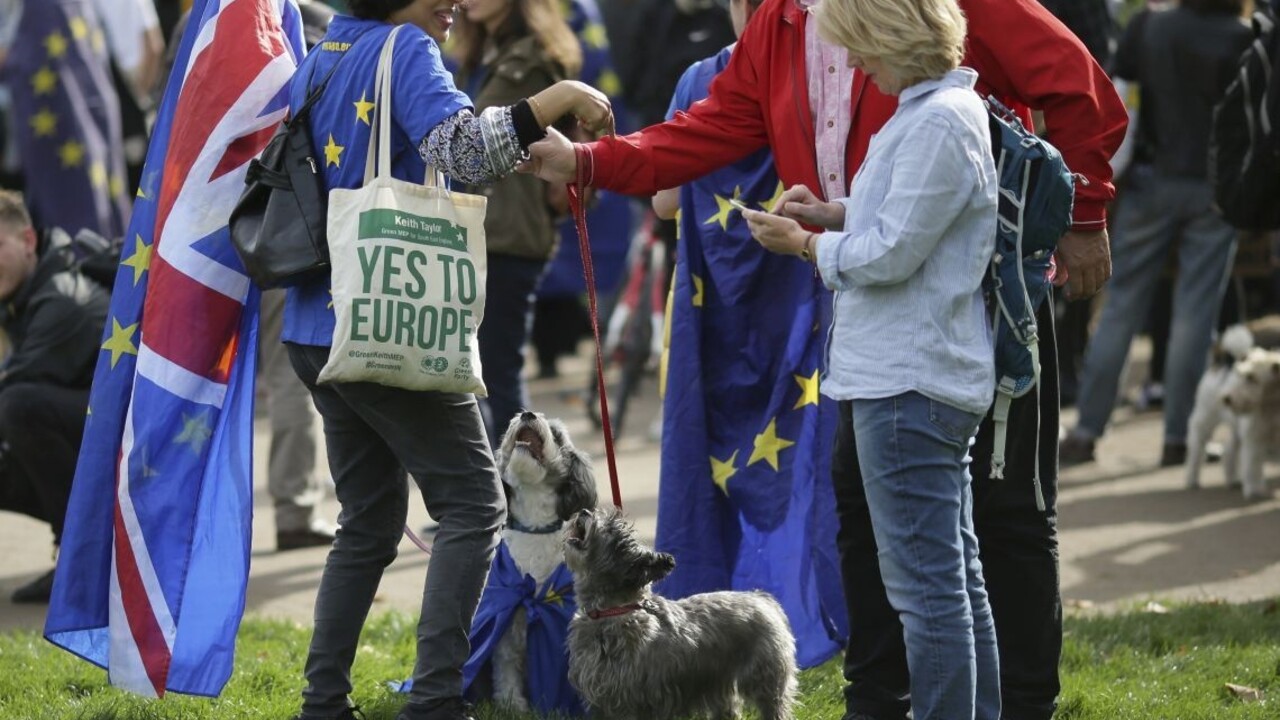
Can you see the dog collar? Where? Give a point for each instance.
(518, 526)
(613, 611)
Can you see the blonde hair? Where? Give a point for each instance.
(918, 39)
(540, 18)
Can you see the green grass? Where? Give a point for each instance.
(1136, 665)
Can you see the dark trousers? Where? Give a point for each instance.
(374, 434)
(508, 320)
(1018, 546)
(42, 426)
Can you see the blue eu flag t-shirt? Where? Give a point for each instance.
(422, 94)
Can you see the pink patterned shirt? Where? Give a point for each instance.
(830, 89)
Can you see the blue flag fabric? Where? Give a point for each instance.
(549, 609)
(745, 498)
(67, 118)
(151, 579)
(609, 219)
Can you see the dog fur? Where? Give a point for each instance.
(1244, 394)
(637, 656)
(547, 481)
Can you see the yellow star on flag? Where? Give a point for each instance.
(115, 185)
(56, 45)
(768, 445)
(594, 36)
(72, 154)
(98, 41)
(195, 432)
(332, 153)
(725, 209)
(121, 341)
(608, 83)
(555, 596)
(140, 260)
(721, 471)
(45, 123)
(772, 202)
(79, 28)
(98, 175)
(808, 390)
(44, 81)
(363, 108)
(698, 295)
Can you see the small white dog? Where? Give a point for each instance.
(1245, 394)
(547, 481)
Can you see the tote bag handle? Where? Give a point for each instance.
(380, 136)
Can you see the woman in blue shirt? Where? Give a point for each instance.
(910, 344)
(375, 435)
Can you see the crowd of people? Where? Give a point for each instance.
(867, 113)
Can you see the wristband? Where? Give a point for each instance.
(536, 107)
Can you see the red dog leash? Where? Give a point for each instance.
(584, 245)
(575, 190)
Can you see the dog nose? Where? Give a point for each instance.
(528, 415)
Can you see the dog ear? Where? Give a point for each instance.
(578, 489)
(658, 566)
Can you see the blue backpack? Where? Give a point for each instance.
(1036, 196)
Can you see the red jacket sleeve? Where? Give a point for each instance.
(723, 128)
(1023, 53)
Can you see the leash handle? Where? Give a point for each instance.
(584, 246)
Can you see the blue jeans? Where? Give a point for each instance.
(508, 320)
(914, 456)
(1156, 216)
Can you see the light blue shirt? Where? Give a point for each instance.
(919, 233)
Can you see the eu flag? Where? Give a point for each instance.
(151, 579)
(745, 499)
(609, 217)
(67, 118)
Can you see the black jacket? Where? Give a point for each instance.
(54, 322)
(1182, 61)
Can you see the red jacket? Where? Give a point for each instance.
(1021, 52)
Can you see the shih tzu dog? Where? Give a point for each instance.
(636, 656)
(547, 481)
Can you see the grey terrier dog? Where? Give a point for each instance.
(636, 656)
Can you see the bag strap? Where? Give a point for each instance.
(316, 92)
(378, 158)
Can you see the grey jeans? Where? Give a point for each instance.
(292, 481)
(374, 434)
(1158, 216)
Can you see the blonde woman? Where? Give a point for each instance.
(910, 344)
(508, 50)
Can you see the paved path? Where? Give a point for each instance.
(1129, 531)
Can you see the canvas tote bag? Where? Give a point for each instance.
(408, 273)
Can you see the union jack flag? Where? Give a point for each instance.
(154, 563)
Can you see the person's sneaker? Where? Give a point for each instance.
(1173, 454)
(1075, 450)
(1151, 397)
(315, 536)
(35, 592)
(450, 709)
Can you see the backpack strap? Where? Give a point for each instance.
(318, 90)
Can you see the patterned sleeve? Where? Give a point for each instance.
(474, 149)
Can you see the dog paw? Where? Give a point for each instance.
(512, 701)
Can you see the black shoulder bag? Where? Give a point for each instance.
(278, 225)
